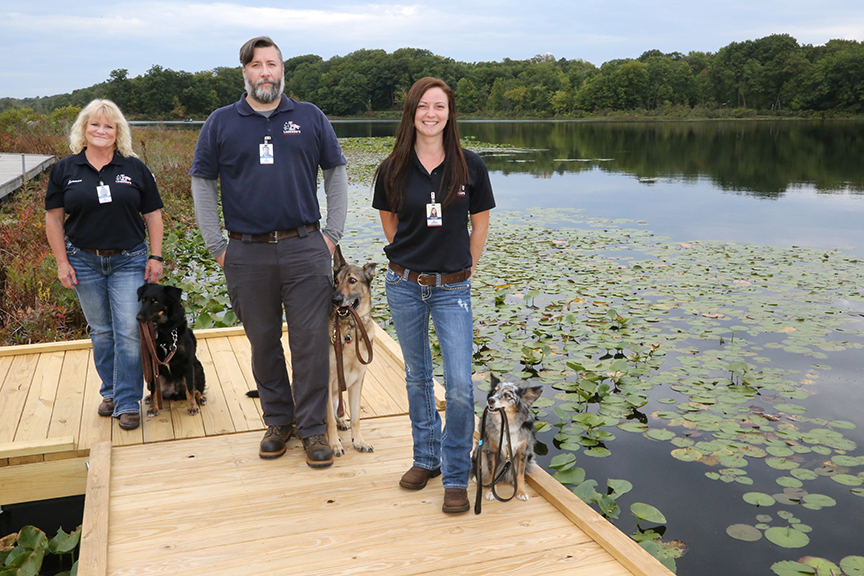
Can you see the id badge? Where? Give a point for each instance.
(103, 191)
(433, 213)
(265, 153)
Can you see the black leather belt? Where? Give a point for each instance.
(103, 253)
(275, 236)
(432, 278)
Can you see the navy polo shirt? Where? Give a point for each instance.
(446, 248)
(259, 198)
(115, 225)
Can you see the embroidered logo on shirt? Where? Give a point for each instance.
(123, 179)
(291, 128)
(74, 182)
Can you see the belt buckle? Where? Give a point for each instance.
(275, 239)
(425, 279)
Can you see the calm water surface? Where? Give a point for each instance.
(777, 183)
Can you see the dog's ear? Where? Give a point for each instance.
(495, 381)
(531, 394)
(174, 292)
(338, 259)
(369, 270)
(141, 291)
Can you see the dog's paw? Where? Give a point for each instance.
(343, 424)
(151, 412)
(202, 400)
(193, 410)
(147, 400)
(363, 447)
(522, 496)
(337, 449)
(490, 496)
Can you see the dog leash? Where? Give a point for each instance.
(496, 478)
(337, 348)
(150, 359)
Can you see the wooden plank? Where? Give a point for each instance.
(215, 416)
(36, 414)
(45, 347)
(621, 546)
(66, 418)
(13, 395)
(94, 428)
(5, 364)
(46, 446)
(94, 532)
(186, 425)
(157, 428)
(245, 414)
(42, 480)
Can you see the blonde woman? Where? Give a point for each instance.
(99, 204)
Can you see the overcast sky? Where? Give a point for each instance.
(51, 46)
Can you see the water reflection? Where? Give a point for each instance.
(761, 158)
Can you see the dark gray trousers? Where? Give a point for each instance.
(295, 275)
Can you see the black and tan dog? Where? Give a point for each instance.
(352, 291)
(516, 401)
(182, 377)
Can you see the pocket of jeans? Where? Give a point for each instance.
(392, 277)
(71, 249)
(456, 286)
(139, 250)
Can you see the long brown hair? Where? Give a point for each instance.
(455, 173)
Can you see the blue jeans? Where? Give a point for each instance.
(449, 306)
(108, 292)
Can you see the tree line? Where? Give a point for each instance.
(771, 75)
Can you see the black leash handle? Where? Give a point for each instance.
(496, 478)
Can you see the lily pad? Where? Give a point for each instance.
(744, 532)
(853, 565)
(847, 479)
(787, 537)
(758, 499)
(647, 512)
(789, 568)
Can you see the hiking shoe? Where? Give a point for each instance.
(455, 500)
(318, 452)
(416, 477)
(273, 443)
(106, 408)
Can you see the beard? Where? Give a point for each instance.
(262, 94)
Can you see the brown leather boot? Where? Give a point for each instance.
(455, 500)
(318, 452)
(106, 408)
(130, 421)
(416, 477)
(273, 443)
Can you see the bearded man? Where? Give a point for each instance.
(265, 151)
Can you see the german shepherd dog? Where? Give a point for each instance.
(183, 375)
(352, 290)
(516, 401)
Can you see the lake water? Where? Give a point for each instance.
(763, 183)
(779, 183)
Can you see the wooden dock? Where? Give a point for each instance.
(189, 495)
(16, 169)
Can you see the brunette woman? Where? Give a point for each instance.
(427, 191)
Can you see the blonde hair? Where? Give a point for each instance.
(96, 109)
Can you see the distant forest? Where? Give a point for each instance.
(769, 76)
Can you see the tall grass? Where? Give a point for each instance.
(34, 306)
